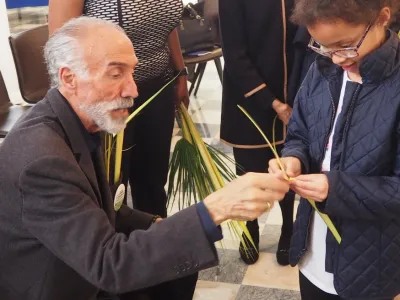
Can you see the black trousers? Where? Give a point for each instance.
(147, 143)
(256, 160)
(179, 289)
(309, 291)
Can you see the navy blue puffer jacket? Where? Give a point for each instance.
(364, 195)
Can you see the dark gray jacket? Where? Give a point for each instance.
(57, 223)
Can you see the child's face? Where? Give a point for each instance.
(340, 34)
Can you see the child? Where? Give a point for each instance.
(345, 133)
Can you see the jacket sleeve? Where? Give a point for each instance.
(237, 61)
(363, 197)
(57, 211)
(128, 220)
(355, 196)
(297, 143)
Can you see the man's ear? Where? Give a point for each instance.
(68, 78)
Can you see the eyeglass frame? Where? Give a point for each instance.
(330, 53)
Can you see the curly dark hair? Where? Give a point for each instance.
(308, 12)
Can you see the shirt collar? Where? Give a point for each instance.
(93, 140)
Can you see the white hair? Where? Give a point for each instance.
(63, 49)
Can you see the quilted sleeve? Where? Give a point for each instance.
(364, 197)
(297, 143)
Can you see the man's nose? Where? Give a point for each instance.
(130, 88)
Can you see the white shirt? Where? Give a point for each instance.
(312, 265)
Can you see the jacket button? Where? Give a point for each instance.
(182, 268)
(177, 270)
(189, 265)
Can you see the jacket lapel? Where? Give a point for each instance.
(75, 139)
(107, 197)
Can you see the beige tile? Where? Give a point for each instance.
(207, 290)
(274, 217)
(267, 273)
(174, 140)
(227, 243)
(207, 116)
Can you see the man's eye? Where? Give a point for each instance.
(116, 75)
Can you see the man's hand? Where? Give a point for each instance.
(292, 166)
(283, 110)
(181, 92)
(246, 198)
(314, 187)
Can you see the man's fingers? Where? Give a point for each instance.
(272, 183)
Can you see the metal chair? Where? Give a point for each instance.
(201, 62)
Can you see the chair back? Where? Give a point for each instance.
(4, 98)
(27, 49)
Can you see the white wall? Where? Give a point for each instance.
(7, 66)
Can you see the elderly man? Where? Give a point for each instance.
(60, 237)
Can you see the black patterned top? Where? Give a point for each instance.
(148, 24)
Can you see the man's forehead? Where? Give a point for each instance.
(117, 51)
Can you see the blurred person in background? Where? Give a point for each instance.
(257, 42)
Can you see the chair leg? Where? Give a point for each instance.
(219, 67)
(202, 67)
(195, 77)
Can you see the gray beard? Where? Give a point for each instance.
(100, 114)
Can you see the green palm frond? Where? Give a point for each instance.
(196, 170)
(113, 144)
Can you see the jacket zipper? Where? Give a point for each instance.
(320, 163)
(326, 141)
(347, 125)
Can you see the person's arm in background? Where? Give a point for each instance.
(239, 65)
(61, 11)
(182, 94)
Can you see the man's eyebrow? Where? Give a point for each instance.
(117, 64)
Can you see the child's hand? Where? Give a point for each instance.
(292, 165)
(314, 187)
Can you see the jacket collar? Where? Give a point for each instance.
(75, 136)
(375, 67)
